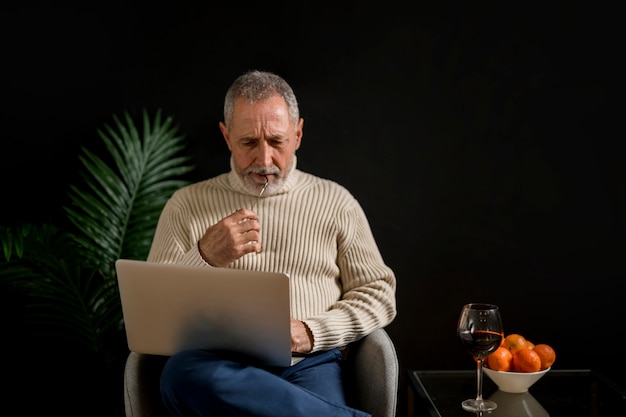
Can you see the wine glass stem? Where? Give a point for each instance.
(479, 379)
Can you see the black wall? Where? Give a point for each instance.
(484, 142)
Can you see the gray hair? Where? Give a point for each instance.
(258, 85)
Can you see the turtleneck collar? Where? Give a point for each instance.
(236, 182)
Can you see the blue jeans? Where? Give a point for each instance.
(203, 383)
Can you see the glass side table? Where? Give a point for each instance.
(567, 393)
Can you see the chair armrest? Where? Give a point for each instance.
(142, 394)
(373, 374)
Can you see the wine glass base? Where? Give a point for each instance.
(475, 406)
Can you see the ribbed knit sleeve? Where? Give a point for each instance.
(313, 230)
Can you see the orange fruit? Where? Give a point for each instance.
(514, 342)
(526, 360)
(500, 359)
(546, 354)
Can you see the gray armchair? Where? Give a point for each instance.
(371, 384)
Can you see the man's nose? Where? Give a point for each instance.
(264, 154)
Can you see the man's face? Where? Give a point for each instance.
(263, 141)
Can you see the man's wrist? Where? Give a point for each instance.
(204, 258)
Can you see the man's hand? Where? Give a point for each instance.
(301, 337)
(231, 238)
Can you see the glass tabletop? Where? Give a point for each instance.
(570, 393)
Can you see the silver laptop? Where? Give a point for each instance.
(168, 308)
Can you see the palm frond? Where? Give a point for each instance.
(122, 202)
(59, 293)
(68, 277)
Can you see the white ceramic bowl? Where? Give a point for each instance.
(514, 382)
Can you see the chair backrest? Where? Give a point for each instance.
(372, 375)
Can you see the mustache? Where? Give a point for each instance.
(262, 171)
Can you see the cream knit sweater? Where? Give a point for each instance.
(314, 230)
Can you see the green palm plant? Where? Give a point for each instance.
(117, 213)
(67, 277)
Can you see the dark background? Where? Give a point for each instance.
(482, 140)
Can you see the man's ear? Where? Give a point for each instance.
(299, 133)
(224, 130)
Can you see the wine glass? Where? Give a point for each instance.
(480, 332)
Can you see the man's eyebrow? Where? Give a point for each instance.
(273, 138)
(248, 138)
(276, 137)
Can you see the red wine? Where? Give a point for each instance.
(480, 343)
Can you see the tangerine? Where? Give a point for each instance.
(500, 359)
(514, 342)
(546, 354)
(526, 360)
